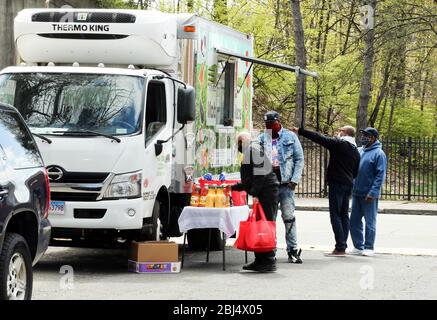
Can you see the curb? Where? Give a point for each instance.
(419, 212)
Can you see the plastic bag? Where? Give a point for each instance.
(257, 234)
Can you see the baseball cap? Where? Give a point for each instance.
(371, 131)
(271, 116)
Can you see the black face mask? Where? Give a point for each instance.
(365, 140)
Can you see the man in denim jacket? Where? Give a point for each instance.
(285, 150)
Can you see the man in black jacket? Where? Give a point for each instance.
(258, 179)
(342, 170)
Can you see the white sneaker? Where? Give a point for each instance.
(368, 253)
(355, 252)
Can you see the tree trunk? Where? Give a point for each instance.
(381, 120)
(381, 95)
(366, 80)
(401, 69)
(423, 93)
(349, 26)
(301, 61)
(325, 35)
(319, 34)
(390, 119)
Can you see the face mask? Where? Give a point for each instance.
(276, 128)
(365, 140)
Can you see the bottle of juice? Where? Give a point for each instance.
(227, 192)
(203, 193)
(220, 198)
(195, 196)
(210, 198)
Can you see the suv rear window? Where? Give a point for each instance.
(16, 142)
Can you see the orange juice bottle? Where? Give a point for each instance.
(227, 193)
(195, 196)
(203, 194)
(220, 198)
(210, 198)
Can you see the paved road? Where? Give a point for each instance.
(101, 273)
(396, 233)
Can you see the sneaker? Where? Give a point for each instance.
(355, 252)
(294, 256)
(336, 253)
(368, 253)
(260, 266)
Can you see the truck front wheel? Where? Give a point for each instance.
(157, 229)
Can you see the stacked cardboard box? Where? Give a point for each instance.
(154, 257)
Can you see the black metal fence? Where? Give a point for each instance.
(411, 170)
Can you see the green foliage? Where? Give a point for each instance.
(114, 4)
(410, 121)
(405, 40)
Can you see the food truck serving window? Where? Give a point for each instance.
(225, 92)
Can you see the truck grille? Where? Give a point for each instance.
(91, 17)
(73, 196)
(83, 177)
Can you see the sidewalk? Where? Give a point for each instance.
(385, 206)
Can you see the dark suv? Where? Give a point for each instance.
(24, 206)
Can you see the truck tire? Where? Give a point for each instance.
(157, 229)
(16, 276)
(198, 239)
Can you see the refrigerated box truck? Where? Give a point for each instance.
(129, 107)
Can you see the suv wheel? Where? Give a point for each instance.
(15, 269)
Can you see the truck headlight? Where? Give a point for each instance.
(126, 185)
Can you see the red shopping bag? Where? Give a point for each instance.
(257, 233)
(239, 198)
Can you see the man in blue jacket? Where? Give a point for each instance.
(365, 194)
(284, 149)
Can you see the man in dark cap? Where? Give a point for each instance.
(367, 187)
(344, 160)
(284, 149)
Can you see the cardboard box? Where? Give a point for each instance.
(151, 251)
(154, 267)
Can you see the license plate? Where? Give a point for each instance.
(57, 208)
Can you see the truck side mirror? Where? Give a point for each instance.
(158, 148)
(186, 104)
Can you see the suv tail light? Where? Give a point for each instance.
(46, 209)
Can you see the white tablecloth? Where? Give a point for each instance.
(226, 220)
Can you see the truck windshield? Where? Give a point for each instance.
(55, 102)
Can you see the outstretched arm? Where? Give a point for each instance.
(326, 142)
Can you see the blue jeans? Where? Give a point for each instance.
(339, 213)
(287, 205)
(360, 209)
